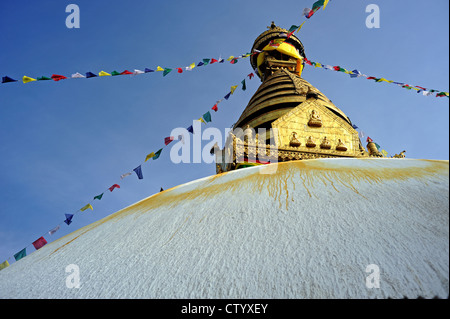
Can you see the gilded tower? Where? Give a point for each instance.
(287, 118)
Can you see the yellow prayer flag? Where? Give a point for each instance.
(159, 68)
(86, 207)
(149, 156)
(230, 58)
(325, 3)
(103, 73)
(4, 264)
(233, 88)
(27, 79)
(201, 120)
(384, 80)
(384, 153)
(301, 25)
(192, 66)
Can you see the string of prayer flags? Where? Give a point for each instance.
(99, 197)
(138, 172)
(20, 254)
(39, 243)
(110, 189)
(54, 230)
(68, 219)
(355, 73)
(89, 205)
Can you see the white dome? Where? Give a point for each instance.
(307, 231)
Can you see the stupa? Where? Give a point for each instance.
(297, 121)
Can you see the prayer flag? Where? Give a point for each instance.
(43, 78)
(169, 139)
(111, 189)
(115, 73)
(293, 28)
(355, 73)
(77, 75)
(125, 175)
(250, 75)
(244, 87)
(233, 88)
(206, 61)
(191, 66)
(371, 78)
(146, 70)
(39, 243)
(442, 94)
(27, 79)
(383, 80)
(54, 230)
(226, 97)
(91, 75)
(207, 116)
(213, 61)
(138, 172)
(149, 156)
(103, 73)
(190, 129)
(125, 72)
(200, 64)
(325, 4)
(230, 58)
(159, 68)
(157, 154)
(166, 71)
(4, 264)
(369, 139)
(7, 79)
(89, 206)
(385, 154)
(136, 72)
(20, 254)
(99, 197)
(354, 126)
(214, 108)
(68, 219)
(201, 120)
(57, 77)
(234, 61)
(301, 25)
(180, 70)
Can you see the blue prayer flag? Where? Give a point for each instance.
(138, 172)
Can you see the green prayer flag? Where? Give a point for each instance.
(157, 154)
(99, 197)
(293, 27)
(115, 73)
(21, 254)
(43, 78)
(206, 61)
(207, 117)
(318, 4)
(244, 87)
(378, 146)
(166, 71)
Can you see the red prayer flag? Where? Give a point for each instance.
(214, 108)
(57, 77)
(369, 139)
(39, 243)
(169, 139)
(250, 76)
(371, 78)
(180, 70)
(126, 72)
(114, 186)
(213, 60)
(307, 61)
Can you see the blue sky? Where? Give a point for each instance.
(62, 143)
